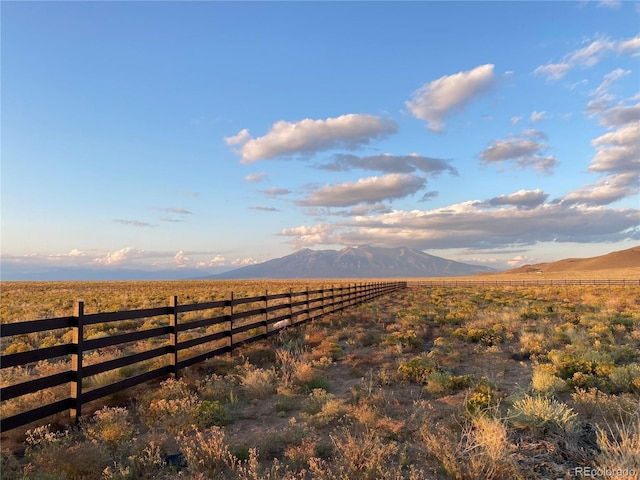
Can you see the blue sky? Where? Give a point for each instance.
(195, 135)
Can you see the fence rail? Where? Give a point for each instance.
(228, 324)
(516, 283)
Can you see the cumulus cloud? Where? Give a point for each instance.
(618, 151)
(436, 100)
(474, 225)
(521, 198)
(303, 236)
(309, 136)
(389, 163)
(365, 190)
(606, 190)
(121, 256)
(525, 150)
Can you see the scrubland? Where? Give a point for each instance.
(433, 383)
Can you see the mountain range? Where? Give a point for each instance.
(355, 262)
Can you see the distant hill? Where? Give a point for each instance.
(629, 258)
(355, 262)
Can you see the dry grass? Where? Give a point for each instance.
(433, 383)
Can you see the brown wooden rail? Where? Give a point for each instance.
(229, 324)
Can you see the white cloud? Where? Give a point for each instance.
(521, 198)
(274, 192)
(591, 54)
(474, 225)
(134, 223)
(243, 136)
(524, 149)
(255, 177)
(537, 116)
(515, 120)
(265, 209)
(365, 190)
(310, 136)
(303, 236)
(630, 47)
(618, 151)
(124, 255)
(607, 190)
(390, 163)
(609, 4)
(437, 99)
(181, 260)
(553, 71)
(588, 56)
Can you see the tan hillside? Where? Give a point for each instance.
(623, 259)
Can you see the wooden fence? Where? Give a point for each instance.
(516, 283)
(226, 325)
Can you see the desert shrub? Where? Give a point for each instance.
(112, 427)
(626, 378)
(408, 340)
(210, 413)
(175, 408)
(206, 453)
(488, 336)
(317, 382)
(593, 402)
(62, 455)
(257, 382)
(444, 382)
(275, 442)
(483, 397)
(619, 445)
(480, 452)
(543, 380)
(361, 454)
(322, 408)
(10, 467)
(417, 369)
(542, 415)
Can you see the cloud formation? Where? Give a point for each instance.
(365, 190)
(475, 224)
(389, 163)
(436, 100)
(521, 198)
(134, 223)
(255, 177)
(309, 136)
(588, 56)
(525, 149)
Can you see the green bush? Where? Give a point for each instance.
(417, 369)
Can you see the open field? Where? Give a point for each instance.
(435, 383)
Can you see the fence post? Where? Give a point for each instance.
(76, 361)
(173, 335)
(266, 312)
(307, 306)
(290, 307)
(231, 322)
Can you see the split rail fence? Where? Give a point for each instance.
(221, 327)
